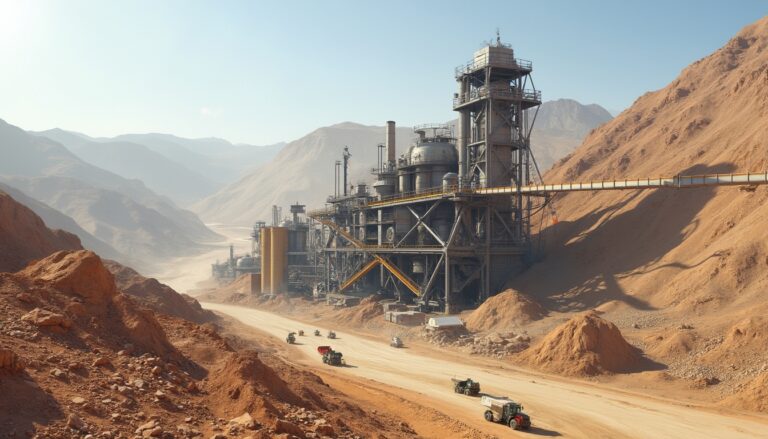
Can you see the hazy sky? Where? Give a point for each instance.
(261, 72)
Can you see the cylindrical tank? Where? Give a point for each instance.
(255, 283)
(384, 187)
(423, 179)
(450, 181)
(265, 242)
(279, 259)
(404, 181)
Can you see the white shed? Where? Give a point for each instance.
(444, 322)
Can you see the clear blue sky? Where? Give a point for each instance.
(261, 72)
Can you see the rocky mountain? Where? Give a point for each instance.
(683, 271)
(123, 213)
(302, 171)
(136, 161)
(560, 127)
(24, 237)
(307, 163)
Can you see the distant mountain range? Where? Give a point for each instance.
(303, 170)
(133, 220)
(185, 170)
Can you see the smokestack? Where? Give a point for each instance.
(390, 141)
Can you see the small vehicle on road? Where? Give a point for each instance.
(301, 332)
(317, 332)
(291, 338)
(331, 335)
(505, 411)
(396, 342)
(468, 387)
(330, 356)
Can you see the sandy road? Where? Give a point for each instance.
(571, 409)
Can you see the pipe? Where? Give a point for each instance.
(391, 132)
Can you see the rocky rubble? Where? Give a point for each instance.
(494, 344)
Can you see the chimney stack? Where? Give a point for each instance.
(390, 141)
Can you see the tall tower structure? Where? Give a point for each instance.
(493, 139)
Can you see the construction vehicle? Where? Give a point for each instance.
(331, 335)
(468, 387)
(505, 411)
(317, 332)
(301, 332)
(396, 342)
(330, 356)
(291, 338)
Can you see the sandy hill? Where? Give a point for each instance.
(121, 212)
(135, 161)
(683, 264)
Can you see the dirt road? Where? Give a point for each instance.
(573, 409)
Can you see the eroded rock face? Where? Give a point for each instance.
(78, 273)
(44, 318)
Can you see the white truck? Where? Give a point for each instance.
(505, 411)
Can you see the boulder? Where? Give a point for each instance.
(44, 318)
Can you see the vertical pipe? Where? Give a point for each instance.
(462, 138)
(448, 304)
(279, 259)
(266, 255)
(391, 132)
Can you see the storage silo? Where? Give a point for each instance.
(278, 260)
(265, 247)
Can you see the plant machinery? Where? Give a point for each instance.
(291, 338)
(468, 387)
(505, 411)
(330, 357)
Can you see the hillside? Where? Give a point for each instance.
(54, 219)
(675, 268)
(220, 160)
(308, 162)
(136, 161)
(302, 171)
(24, 237)
(561, 126)
(81, 356)
(121, 212)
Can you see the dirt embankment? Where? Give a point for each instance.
(585, 345)
(505, 311)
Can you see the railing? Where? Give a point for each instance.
(680, 181)
(511, 94)
(494, 60)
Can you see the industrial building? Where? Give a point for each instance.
(447, 221)
(426, 232)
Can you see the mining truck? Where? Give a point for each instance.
(331, 335)
(468, 387)
(317, 332)
(396, 342)
(301, 332)
(505, 411)
(330, 356)
(291, 338)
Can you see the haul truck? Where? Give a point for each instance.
(505, 411)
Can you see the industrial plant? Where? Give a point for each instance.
(447, 221)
